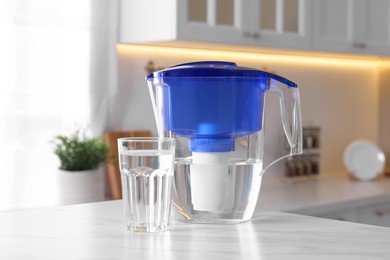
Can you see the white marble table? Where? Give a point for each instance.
(95, 231)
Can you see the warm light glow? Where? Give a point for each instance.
(296, 58)
(385, 63)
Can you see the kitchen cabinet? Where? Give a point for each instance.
(333, 195)
(344, 215)
(346, 26)
(265, 23)
(377, 214)
(353, 26)
(277, 23)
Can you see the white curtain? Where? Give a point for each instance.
(104, 81)
(48, 77)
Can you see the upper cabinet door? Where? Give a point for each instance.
(349, 26)
(268, 23)
(374, 35)
(279, 23)
(216, 21)
(353, 26)
(332, 20)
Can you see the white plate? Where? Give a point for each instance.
(364, 160)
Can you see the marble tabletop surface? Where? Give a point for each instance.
(95, 231)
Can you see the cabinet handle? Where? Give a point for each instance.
(359, 45)
(247, 34)
(256, 35)
(381, 213)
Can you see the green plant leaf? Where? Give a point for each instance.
(78, 152)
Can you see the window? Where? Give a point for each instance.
(44, 89)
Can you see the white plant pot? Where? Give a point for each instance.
(75, 187)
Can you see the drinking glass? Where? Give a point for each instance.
(146, 166)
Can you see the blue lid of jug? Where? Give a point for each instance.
(213, 102)
(215, 69)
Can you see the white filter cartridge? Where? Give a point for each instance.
(209, 172)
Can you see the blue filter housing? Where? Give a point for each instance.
(212, 103)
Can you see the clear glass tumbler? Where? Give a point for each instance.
(146, 166)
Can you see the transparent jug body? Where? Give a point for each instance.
(221, 190)
(218, 127)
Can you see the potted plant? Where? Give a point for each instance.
(81, 175)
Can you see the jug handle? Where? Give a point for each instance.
(293, 130)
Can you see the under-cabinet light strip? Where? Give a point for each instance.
(353, 60)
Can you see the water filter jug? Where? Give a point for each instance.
(215, 111)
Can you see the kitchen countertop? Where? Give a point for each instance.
(324, 193)
(95, 231)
